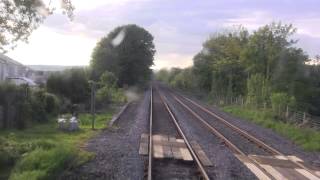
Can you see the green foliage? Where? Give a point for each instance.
(22, 105)
(162, 75)
(109, 92)
(127, 52)
(19, 18)
(43, 163)
(263, 50)
(307, 138)
(108, 79)
(218, 65)
(236, 63)
(51, 104)
(279, 101)
(71, 84)
(101, 120)
(258, 90)
(43, 151)
(185, 79)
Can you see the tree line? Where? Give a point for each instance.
(264, 66)
(120, 60)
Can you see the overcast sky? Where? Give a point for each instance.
(179, 27)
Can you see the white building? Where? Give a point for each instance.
(11, 68)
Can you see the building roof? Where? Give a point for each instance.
(7, 60)
(28, 81)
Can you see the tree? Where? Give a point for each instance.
(108, 91)
(218, 65)
(264, 48)
(19, 18)
(128, 52)
(72, 84)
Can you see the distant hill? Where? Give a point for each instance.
(52, 67)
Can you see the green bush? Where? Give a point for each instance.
(72, 84)
(109, 92)
(22, 105)
(52, 104)
(307, 138)
(279, 101)
(40, 163)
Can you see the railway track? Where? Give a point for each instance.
(239, 141)
(163, 121)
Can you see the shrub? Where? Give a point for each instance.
(21, 105)
(72, 84)
(51, 104)
(279, 101)
(39, 163)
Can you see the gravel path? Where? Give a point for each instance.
(116, 148)
(226, 165)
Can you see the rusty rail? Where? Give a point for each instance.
(195, 157)
(243, 133)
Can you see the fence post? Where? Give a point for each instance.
(304, 118)
(287, 112)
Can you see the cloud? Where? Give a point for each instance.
(179, 27)
(48, 47)
(172, 60)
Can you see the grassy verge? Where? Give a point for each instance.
(43, 151)
(308, 139)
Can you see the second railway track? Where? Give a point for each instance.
(246, 147)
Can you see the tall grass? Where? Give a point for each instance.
(43, 151)
(307, 138)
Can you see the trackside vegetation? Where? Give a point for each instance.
(32, 147)
(43, 151)
(308, 139)
(264, 68)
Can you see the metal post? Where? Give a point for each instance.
(93, 111)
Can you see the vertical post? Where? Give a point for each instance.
(304, 118)
(93, 89)
(287, 112)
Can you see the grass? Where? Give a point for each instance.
(43, 151)
(307, 138)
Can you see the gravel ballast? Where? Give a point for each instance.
(226, 165)
(116, 148)
(168, 168)
(280, 143)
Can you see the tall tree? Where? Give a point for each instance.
(218, 64)
(128, 52)
(264, 48)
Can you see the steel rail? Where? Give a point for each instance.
(238, 130)
(150, 138)
(246, 134)
(213, 130)
(198, 162)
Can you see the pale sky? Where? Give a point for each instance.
(179, 27)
